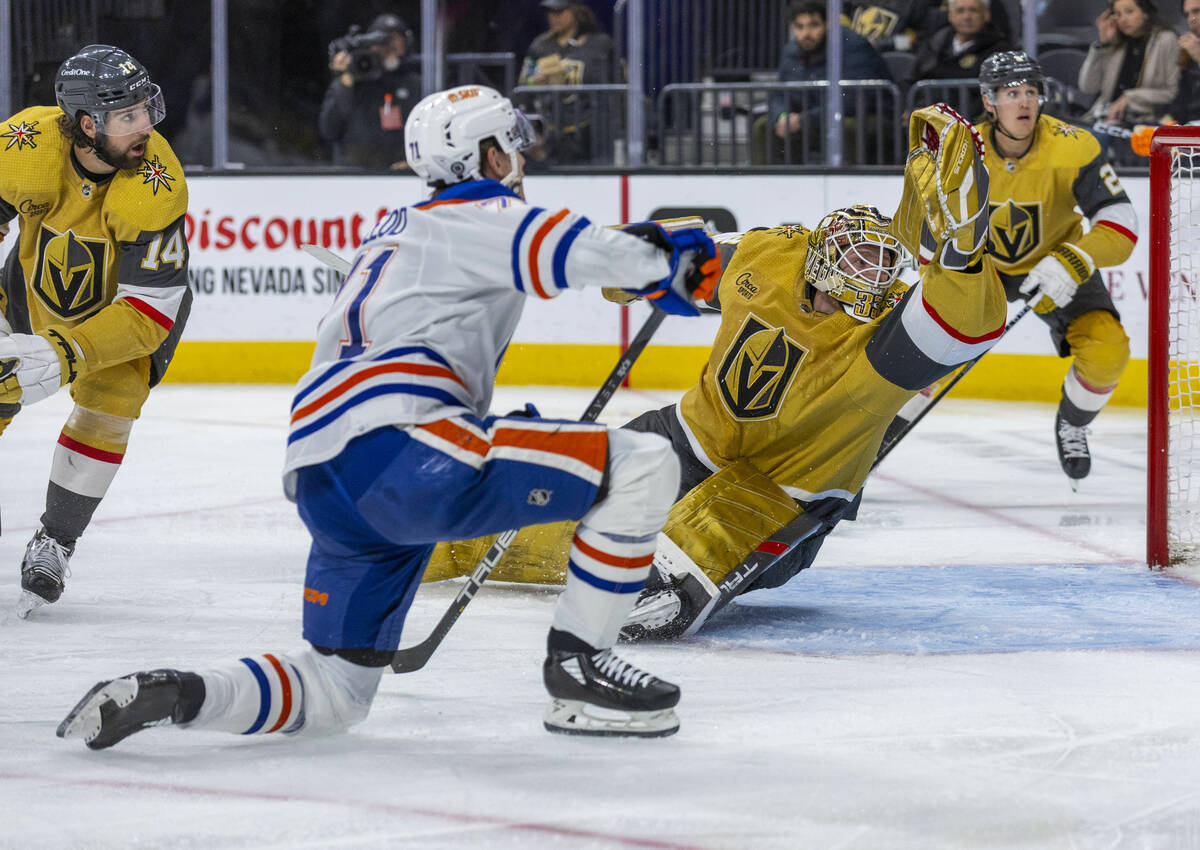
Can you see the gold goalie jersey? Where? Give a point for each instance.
(806, 397)
(107, 258)
(1034, 199)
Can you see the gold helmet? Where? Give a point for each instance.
(853, 256)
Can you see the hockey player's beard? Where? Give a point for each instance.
(127, 157)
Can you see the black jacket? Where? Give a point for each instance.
(353, 118)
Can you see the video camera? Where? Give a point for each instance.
(365, 63)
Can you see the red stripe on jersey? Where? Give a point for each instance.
(90, 451)
(150, 313)
(613, 560)
(534, 275)
(589, 447)
(382, 368)
(771, 547)
(458, 435)
(958, 335)
(286, 691)
(1124, 231)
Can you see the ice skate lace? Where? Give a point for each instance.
(1073, 439)
(50, 558)
(608, 664)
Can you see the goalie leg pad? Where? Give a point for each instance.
(710, 531)
(538, 555)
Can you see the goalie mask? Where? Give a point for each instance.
(443, 132)
(853, 256)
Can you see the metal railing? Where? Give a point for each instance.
(498, 70)
(963, 95)
(579, 125)
(729, 126)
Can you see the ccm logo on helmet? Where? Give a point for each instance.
(456, 96)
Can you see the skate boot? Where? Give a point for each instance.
(114, 710)
(43, 571)
(1073, 451)
(596, 693)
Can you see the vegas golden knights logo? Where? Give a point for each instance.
(69, 278)
(874, 23)
(1015, 230)
(758, 369)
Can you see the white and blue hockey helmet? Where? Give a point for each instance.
(443, 132)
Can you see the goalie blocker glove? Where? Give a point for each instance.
(695, 269)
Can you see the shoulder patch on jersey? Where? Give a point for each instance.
(1058, 128)
(22, 134)
(789, 231)
(154, 172)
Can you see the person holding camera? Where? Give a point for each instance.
(371, 94)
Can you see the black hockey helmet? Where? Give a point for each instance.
(1010, 68)
(101, 79)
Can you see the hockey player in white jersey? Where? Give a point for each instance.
(391, 449)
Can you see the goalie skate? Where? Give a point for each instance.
(112, 711)
(598, 693)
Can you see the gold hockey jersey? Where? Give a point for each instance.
(107, 258)
(806, 397)
(1034, 199)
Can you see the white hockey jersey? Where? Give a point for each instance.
(432, 299)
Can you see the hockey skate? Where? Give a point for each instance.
(594, 692)
(1073, 451)
(114, 710)
(43, 572)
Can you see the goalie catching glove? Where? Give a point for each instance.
(695, 269)
(1055, 278)
(943, 212)
(34, 366)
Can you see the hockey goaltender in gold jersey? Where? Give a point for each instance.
(819, 346)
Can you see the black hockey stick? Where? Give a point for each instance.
(408, 659)
(887, 447)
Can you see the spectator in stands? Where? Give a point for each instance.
(956, 50)
(891, 24)
(370, 96)
(1133, 69)
(789, 114)
(571, 52)
(1186, 105)
(1000, 20)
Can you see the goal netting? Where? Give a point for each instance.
(1173, 495)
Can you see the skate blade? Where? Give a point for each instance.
(1074, 484)
(28, 603)
(85, 719)
(575, 717)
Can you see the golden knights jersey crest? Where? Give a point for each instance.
(1014, 230)
(757, 369)
(874, 23)
(68, 277)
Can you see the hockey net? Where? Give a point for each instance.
(1173, 474)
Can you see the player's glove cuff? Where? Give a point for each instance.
(1078, 264)
(34, 366)
(695, 269)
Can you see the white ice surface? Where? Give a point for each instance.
(979, 661)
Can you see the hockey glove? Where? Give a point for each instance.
(695, 269)
(1056, 277)
(34, 366)
(943, 213)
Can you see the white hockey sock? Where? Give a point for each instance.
(604, 575)
(286, 692)
(1084, 396)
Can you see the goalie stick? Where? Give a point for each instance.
(890, 444)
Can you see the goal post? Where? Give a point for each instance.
(1173, 425)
